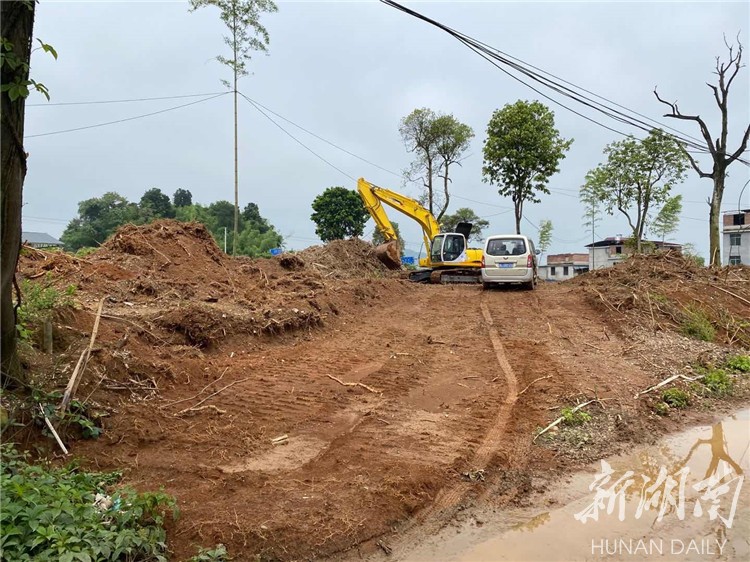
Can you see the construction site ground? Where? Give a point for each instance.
(308, 405)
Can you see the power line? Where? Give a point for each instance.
(321, 138)
(126, 119)
(303, 145)
(124, 101)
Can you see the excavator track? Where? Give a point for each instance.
(451, 276)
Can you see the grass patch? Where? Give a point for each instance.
(675, 398)
(661, 408)
(38, 301)
(574, 418)
(66, 514)
(739, 363)
(717, 383)
(696, 324)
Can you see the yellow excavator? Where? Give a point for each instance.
(449, 258)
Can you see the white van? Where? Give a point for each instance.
(509, 258)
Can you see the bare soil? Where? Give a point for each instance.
(400, 402)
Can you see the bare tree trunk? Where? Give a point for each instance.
(17, 28)
(519, 214)
(714, 217)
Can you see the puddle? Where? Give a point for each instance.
(683, 499)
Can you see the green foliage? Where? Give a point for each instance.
(545, 236)
(338, 213)
(449, 222)
(19, 87)
(637, 176)
(49, 514)
(155, 205)
(378, 238)
(182, 198)
(246, 33)
(85, 251)
(739, 363)
(38, 300)
(438, 141)
(216, 554)
(689, 251)
(577, 417)
(76, 417)
(676, 398)
(522, 151)
(97, 219)
(661, 408)
(696, 324)
(717, 382)
(668, 219)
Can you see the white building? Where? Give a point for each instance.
(736, 229)
(563, 266)
(607, 252)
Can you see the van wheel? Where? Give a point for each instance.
(486, 286)
(530, 286)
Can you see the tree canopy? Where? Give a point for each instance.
(522, 151)
(157, 204)
(668, 219)
(449, 222)
(545, 235)
(438, 141)
(339, 213)
(182, 198)
(637, 176)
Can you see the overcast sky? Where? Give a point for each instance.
(349, 71)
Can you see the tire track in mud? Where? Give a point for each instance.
(449, 498)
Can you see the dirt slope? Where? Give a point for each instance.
(202, 361)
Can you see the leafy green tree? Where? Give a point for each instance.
(637, 176)
(222, 214)
(251, 215)
(438, 141)
(338, 213)
(719, 154)
(668, 219)
(156, 205)
(246, 34)
(592, 214)
(545, 236)
(378, 237)
(97, 219)
(449, 223)
(182, 198)
(522, 151)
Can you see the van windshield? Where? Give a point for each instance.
(506, 247)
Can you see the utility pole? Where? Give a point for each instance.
(236, 173)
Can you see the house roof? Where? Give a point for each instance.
(40, 238)
(619, 240)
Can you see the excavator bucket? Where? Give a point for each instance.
(390, 254)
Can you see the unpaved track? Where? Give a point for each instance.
(447, 363)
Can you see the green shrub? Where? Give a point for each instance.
(216, 554)
(38, 300)
(696, 324)
(739, 363)
(85, 251)
(661, 408)
(718, 383)
(571, 417)
(49, 514)
(676, 398)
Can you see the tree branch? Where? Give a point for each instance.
(677, 115)
(741, 149)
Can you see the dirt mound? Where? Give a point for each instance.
(669, 291)
(344, 259)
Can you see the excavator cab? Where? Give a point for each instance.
(451, 247)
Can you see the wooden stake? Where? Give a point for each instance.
(52, 429)
(75, 378)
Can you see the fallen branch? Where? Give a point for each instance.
(374, 391)
(532, 382)
(560, 419)
(592, 345)
(730, 293)
(667, 381)
(52, 429)
(222, 389)
(75, 378)
(209, 407)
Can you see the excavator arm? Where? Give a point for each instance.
(374, 197)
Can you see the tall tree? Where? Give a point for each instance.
(438, 142)
(155, 204)
(522, 151)
(338, 213)
(637, 176)
(97, 219)
(17, 29)
(718, 151)
(246, 34)
(449, 222)
(592, 214)
(668, 219)
(182, 198)
(545, 236)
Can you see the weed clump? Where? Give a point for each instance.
(571, 417)
(696, 324)
(739, 363)
(675, 398)
(717, 383)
